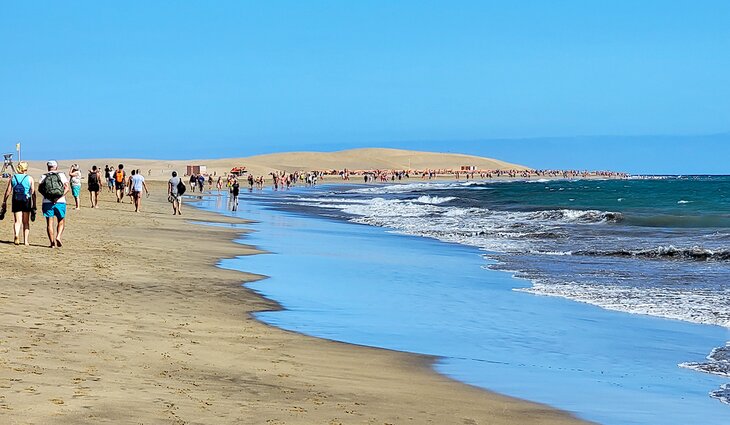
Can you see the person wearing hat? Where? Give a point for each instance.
(22, 187)
(54, 186)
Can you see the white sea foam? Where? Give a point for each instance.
(521, 232)
(723, 394)
(432, 216)
(435, 200)
(706, 307)
(418, 186)
(718, 363)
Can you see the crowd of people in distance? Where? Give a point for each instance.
(384, 176)
(280, 180)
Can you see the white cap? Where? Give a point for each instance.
(52, 163)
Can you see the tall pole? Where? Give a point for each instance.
(17, 147)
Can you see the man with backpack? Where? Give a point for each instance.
(54, 187)
(175, 190)
(120, 180)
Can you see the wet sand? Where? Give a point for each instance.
(132, 322)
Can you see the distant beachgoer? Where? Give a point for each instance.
(22, 188)
(193, 182)
(94, 185)
(235, 188)
(219, 183)
(120, 178)
(201, 182)
(109, 177)
(174, 193)
(54, 187)
(137, 184)
(75, 174)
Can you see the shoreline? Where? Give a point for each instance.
(136, 322)
(326, 316)
(417, 362)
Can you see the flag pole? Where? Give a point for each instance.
(17, 147)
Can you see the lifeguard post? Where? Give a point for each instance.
(8, 164)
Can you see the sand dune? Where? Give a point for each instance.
(354, 159)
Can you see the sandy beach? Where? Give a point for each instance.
(132, 322)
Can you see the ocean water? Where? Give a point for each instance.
(647, 261)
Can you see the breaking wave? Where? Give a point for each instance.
(695, 253)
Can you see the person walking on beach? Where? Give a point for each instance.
(75, 175)
(120, 178)
(22, 188)
(94, 185)
(235, 189)
(54, 187)
(201, 182)
(109, 177)
(136, 185)
(175, 190)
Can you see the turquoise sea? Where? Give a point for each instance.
(606, 298)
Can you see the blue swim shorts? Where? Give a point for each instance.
(54, 210)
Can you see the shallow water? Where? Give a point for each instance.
(658, 247)
(363, 285)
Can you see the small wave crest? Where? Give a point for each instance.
(718, 362)
(664, 252)
(415, 187)
(723, 394)
(580, 216)
(434, 200)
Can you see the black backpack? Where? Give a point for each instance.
(93, 178)
(181, 188)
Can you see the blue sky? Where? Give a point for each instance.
(231, 78)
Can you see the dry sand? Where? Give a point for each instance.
(131, 323)
(355, 159)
